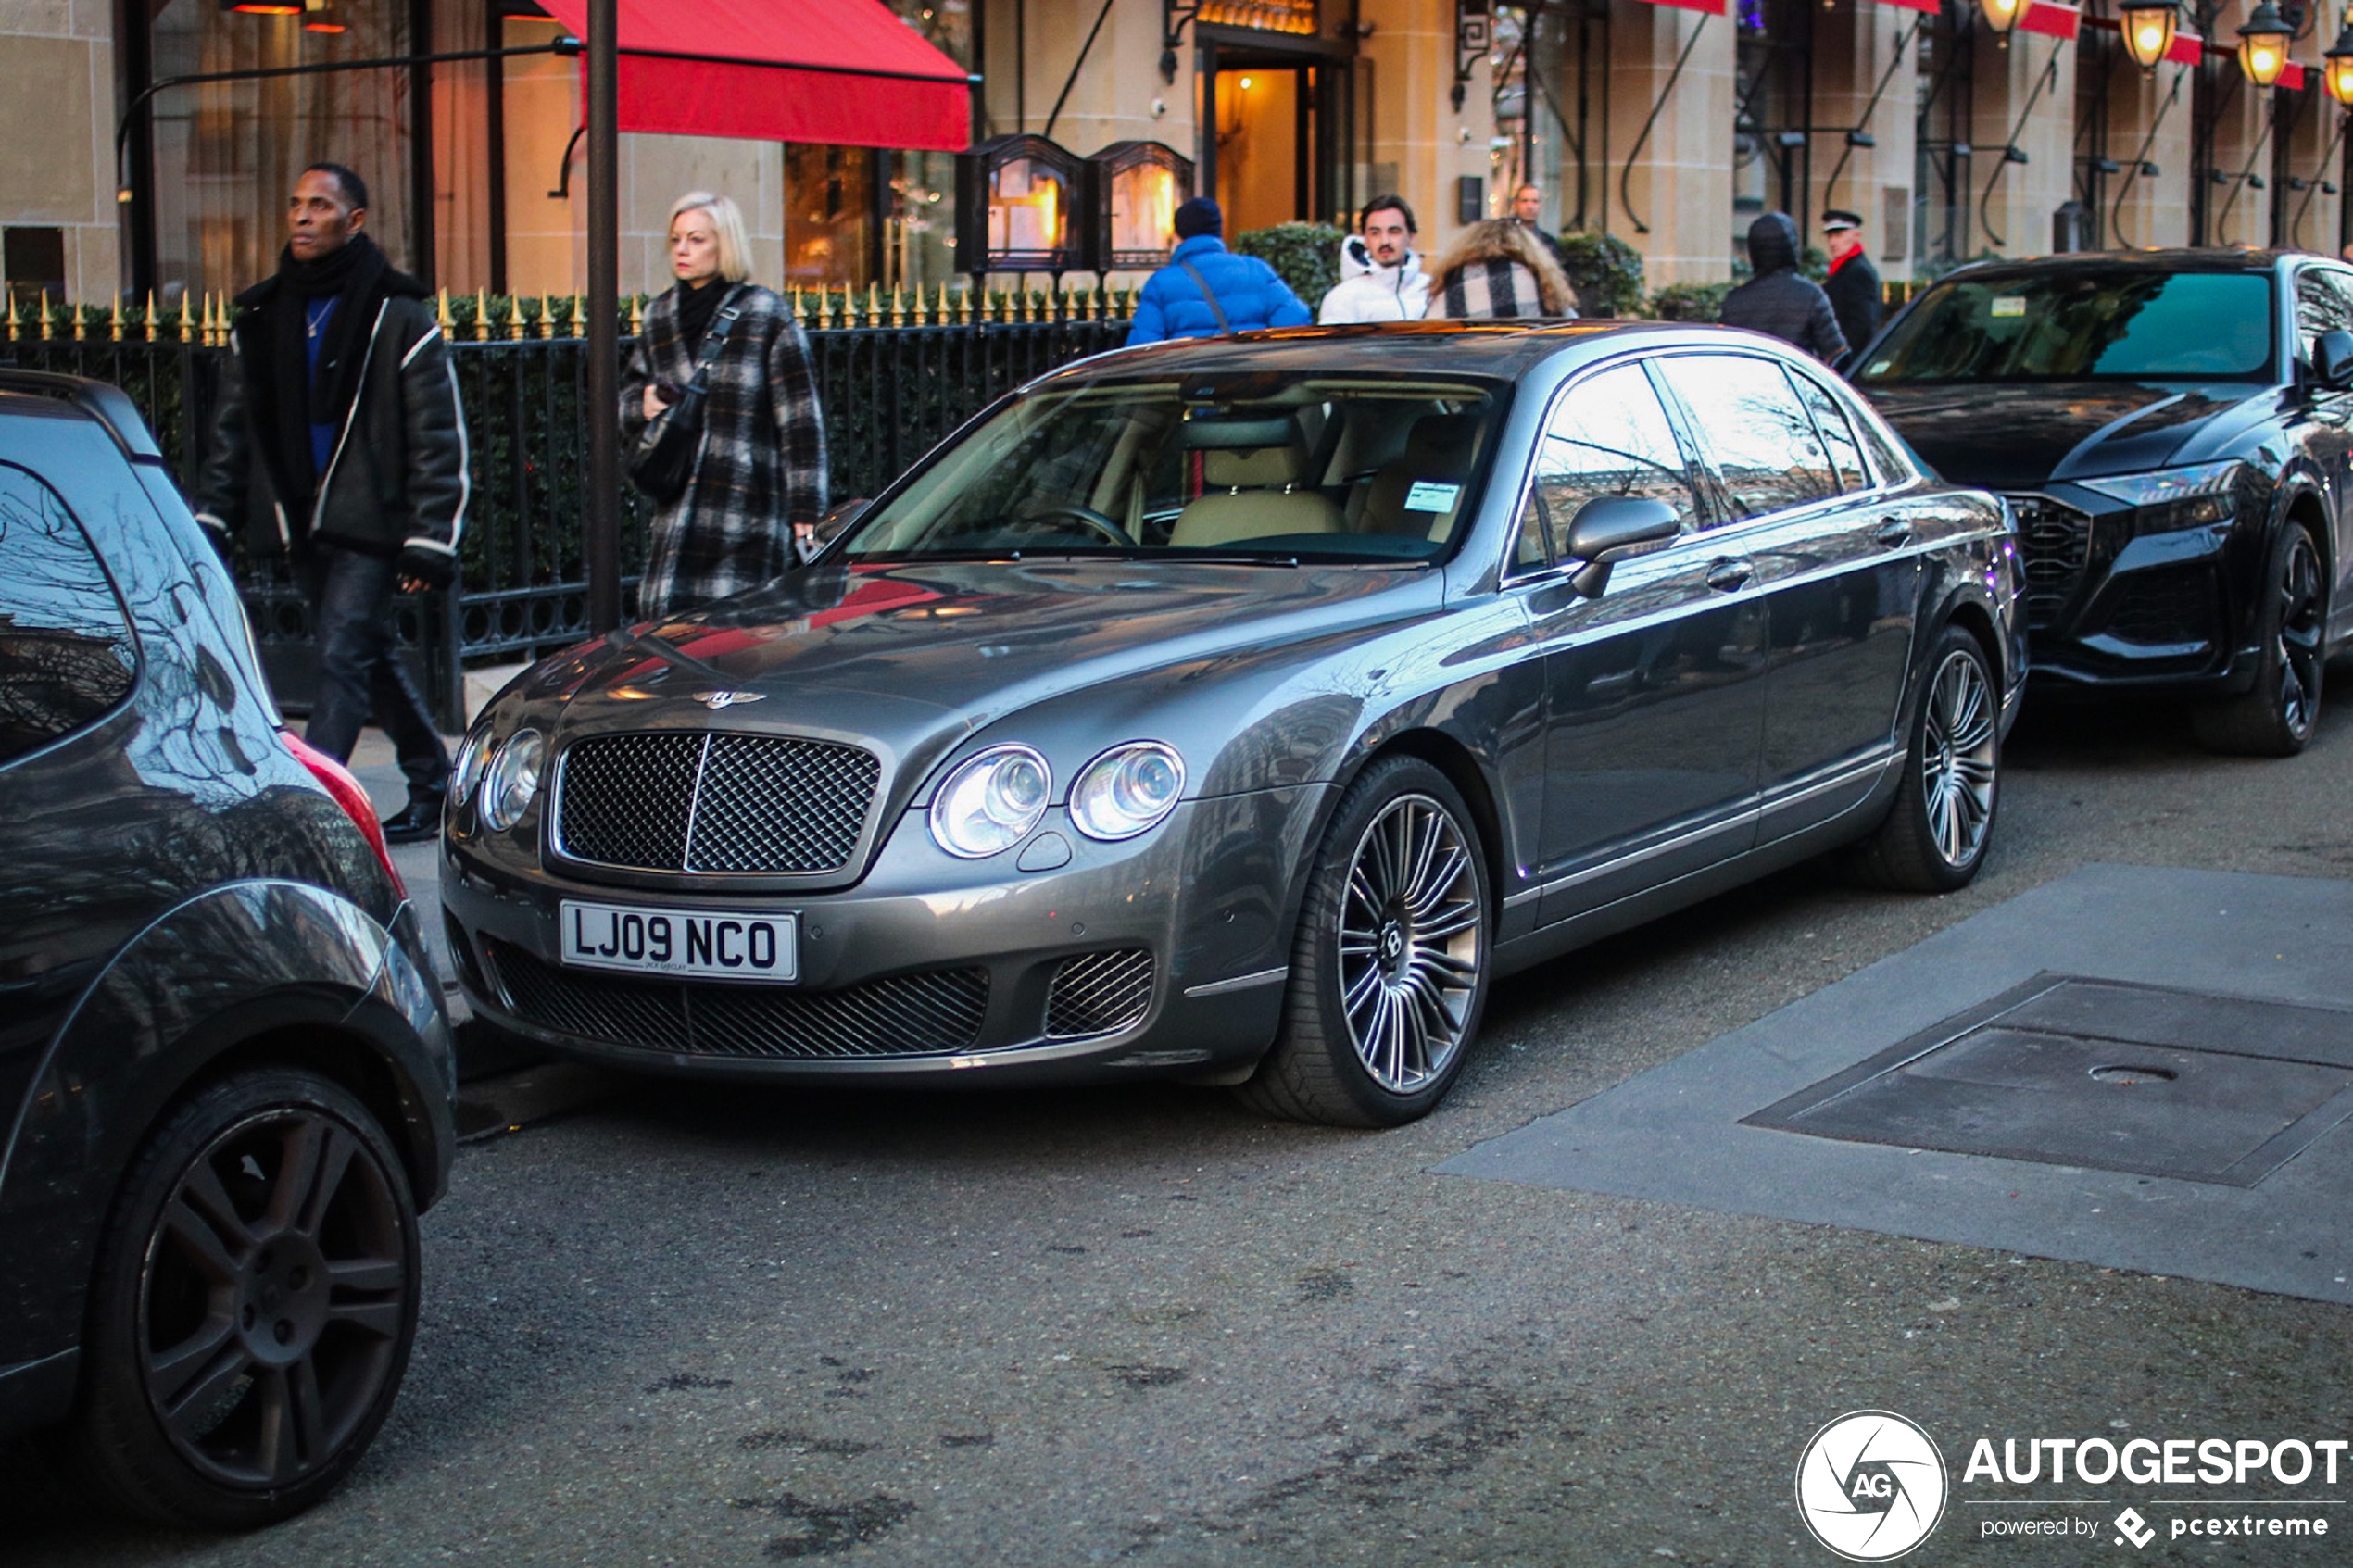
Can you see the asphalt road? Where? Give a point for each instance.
(709, 1327)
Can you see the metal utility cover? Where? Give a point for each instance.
(2100, 1074)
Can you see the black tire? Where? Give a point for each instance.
(253, 1305)
(1935, 835)
(1402, 870)
(2277, 715)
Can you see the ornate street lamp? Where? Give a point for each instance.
(2149, 27)
(2002, 16)
(2263, 44)
(2338, 73)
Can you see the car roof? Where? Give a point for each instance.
(2185, 258)
(44, 395)
(1498, 349)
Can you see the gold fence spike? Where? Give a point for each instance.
(964, 304)
(149, 324)
(638, 315)
(442, 317)
(45, 314)
(515, 324)
(482, 314)
(183, 318)
(798, 320)
(897, 306)
(579, 316)
(874, 304)
(12, 316)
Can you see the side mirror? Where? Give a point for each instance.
(838, 519)
(1609, 528)
(2333, 360)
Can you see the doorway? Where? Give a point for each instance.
(1274, 141)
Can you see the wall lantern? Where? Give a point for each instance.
(2002, 16)
(2338, 72)
(1017, 206)
(1133, 192)
(2149, 26)
(2263, 44)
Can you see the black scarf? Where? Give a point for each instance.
(697, 310)
(284, 400)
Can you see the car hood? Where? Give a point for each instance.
(2019, 435)
(910, 658)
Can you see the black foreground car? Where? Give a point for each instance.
(2171, 428)
(224, 1061)
(1237, 710)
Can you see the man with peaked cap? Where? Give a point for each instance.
(1853, 284)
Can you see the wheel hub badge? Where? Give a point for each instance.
(1392, 941)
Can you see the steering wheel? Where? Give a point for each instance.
(1095, 523)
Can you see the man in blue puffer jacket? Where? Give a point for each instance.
(1206, 289)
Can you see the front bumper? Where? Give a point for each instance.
(930, 967)
(2113, 604)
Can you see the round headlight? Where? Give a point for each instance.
(1126, 790)
(468, 773)
(513, 779)
(991, 802)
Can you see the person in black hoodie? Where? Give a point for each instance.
(1779, 299)
(340, 441)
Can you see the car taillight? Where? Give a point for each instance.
(351, 796)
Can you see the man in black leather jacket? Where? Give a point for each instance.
(341, 442)
(1779, 299)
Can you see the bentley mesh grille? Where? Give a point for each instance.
(922, 1014)
(696, 801)
(1097, 993)
(2056, 540)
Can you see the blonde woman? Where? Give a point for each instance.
(758, 480)
(1497, 268)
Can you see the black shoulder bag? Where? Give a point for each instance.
(664, 462)
(1201, 283)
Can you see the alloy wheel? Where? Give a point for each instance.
(1412, 930)
(272, 1298)
(2299, 636)
(1957, 758)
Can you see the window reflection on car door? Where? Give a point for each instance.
(1655, 701)
(1839, 584)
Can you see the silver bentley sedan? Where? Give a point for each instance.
(1237, 709)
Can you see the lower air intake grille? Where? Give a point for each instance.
(923, 1014)
(1097, 993)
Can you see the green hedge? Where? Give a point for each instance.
(1306, 254)
(1608, 273)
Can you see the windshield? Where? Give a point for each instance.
(1268, 464)
(2128, 323)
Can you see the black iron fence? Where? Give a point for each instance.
(889, 392)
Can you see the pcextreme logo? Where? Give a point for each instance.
(1871, 1485)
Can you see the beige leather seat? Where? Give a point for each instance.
(1437, 459)
(1251, 495)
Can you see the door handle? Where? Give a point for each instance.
(1726, 575)
(1891, 531)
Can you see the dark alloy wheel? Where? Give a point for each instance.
(1935, 835)
(1389, 970)
(253, 1305)
(2277, 716)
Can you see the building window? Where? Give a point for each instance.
(34, 260)
(227, 153)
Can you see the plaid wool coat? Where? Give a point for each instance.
(762, 464)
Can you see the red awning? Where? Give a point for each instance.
(845, 72)
(2051, 20)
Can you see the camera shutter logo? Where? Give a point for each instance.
(1871, 1486)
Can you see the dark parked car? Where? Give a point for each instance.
(2171, 428)
(223, 1054)
(1237, 709)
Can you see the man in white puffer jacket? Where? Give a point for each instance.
(1380, 278)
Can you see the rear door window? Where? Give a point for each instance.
(1836, 430)
(1751, 426)
(66, 653)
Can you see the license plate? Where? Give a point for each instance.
(690, 944)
